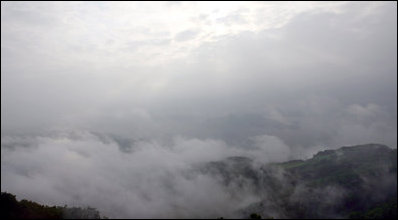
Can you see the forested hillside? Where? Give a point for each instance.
(350, 182)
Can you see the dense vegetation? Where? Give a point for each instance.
(24, 209)
(350, 182)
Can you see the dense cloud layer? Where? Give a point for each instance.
(151, 180)
(95, 106)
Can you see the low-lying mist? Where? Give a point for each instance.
(185, 178)
(142, 179)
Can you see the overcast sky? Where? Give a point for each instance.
(197, 80)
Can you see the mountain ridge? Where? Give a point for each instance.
(332, 184)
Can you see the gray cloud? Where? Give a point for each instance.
(153, 181)
(186, 35)
(295, 82)
(236, 17)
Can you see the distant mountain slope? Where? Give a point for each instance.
(347, 166)
(356, 181)
(337, 183)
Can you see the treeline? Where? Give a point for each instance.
(25, 209)
(387, 210)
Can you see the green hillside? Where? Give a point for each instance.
(356, 181)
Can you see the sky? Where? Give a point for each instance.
(96, 93)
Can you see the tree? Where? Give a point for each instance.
(255, 216)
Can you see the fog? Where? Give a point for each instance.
(112, 105)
